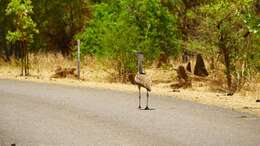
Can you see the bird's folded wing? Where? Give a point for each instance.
(144, 81)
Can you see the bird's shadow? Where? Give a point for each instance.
(150, 109)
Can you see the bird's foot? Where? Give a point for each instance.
(147, 108)
(139, 107)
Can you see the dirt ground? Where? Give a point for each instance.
(209, 90)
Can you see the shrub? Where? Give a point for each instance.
(120, 28)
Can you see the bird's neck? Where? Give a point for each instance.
(140, 67)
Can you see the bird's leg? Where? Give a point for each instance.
(139, 97)
(147, 108)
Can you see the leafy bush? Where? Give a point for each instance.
(232, 28)
(121, 28)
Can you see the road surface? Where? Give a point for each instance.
(36, 114)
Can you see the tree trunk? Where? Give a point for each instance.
(22, 58)
(225, 52)
(27, 73)
(228, 68)
(212, 63)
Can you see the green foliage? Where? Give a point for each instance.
(25, 26)
(58, 21)
(3, 22)
(120, 28)
(231, 28)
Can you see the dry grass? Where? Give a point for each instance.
(43, 66)
(209, 90)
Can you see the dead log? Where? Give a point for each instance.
(64, 73)
(200, 68)
(163, 59)
(184, 81)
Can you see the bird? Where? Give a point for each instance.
(142, 80)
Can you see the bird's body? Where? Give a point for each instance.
(144, 81)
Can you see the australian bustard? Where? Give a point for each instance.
(142, 80)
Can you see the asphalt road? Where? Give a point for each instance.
(34, 114)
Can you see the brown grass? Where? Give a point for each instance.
(43, 66)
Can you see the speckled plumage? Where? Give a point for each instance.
(144, 81)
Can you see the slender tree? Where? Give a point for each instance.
(25, 27)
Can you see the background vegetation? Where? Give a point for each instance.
(224, 31)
